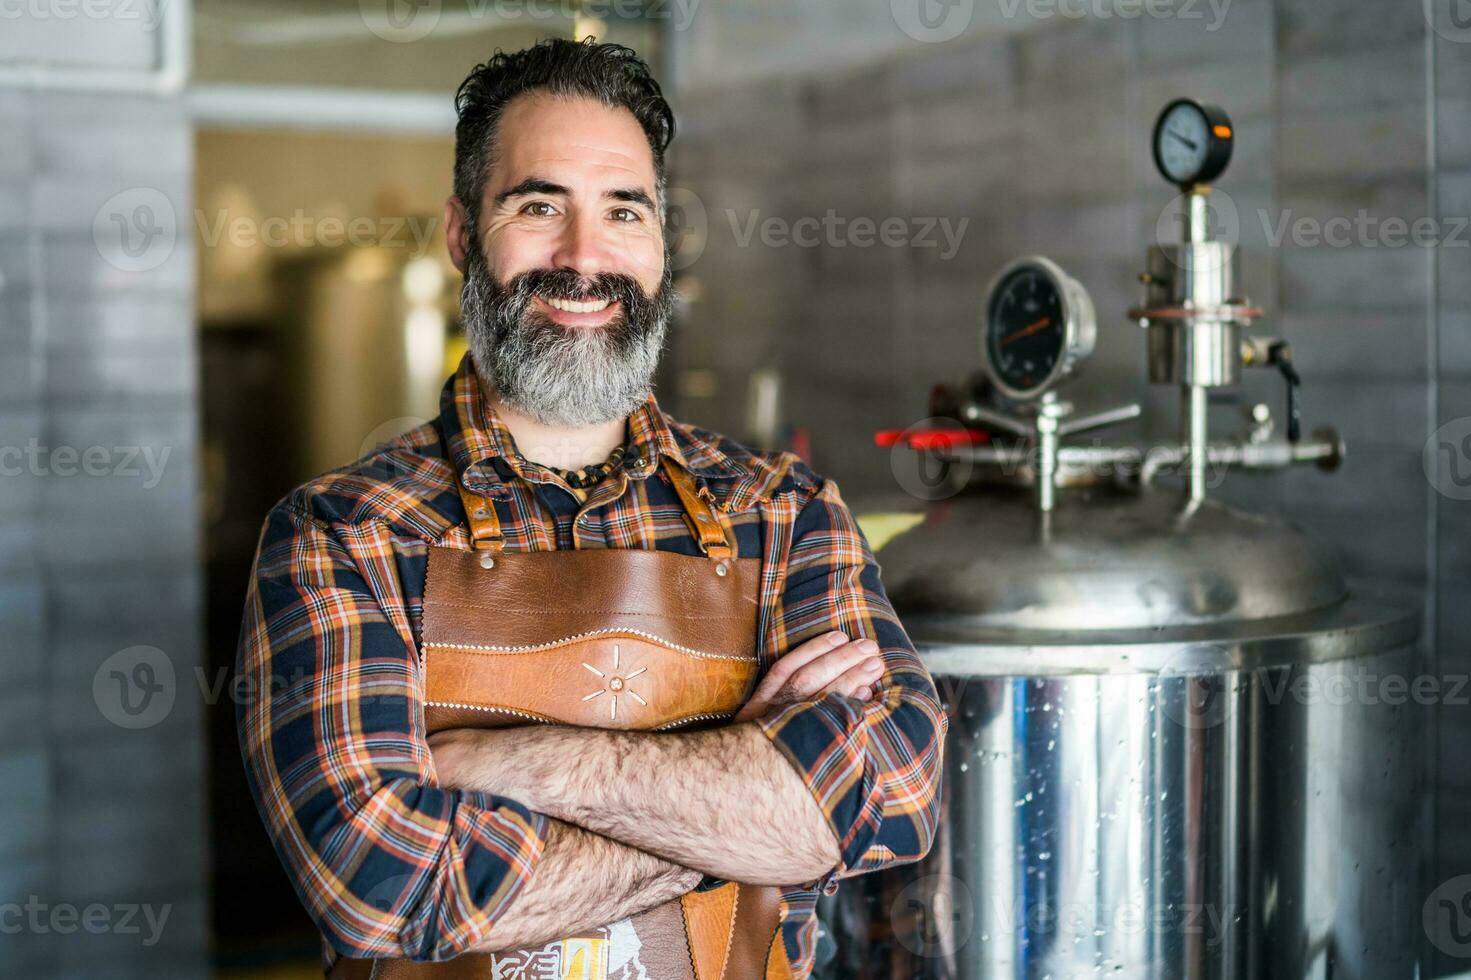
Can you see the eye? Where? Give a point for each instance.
(626, 214)
(539, 209)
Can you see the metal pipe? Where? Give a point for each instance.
(1046, 463)
(1197, 434)
(1197, 216)
(1324, 448)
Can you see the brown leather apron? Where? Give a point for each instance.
(606, 638)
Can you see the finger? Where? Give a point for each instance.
(800, 656)
(821, 672)
(857, 678)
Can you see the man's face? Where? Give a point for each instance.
(567, 298)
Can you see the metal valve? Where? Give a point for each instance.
(1047, 428)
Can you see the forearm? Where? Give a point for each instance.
(582, 881)
(723, 801)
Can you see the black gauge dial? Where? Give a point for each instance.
(1026, 328)
(1039, 326)
(1192, 142)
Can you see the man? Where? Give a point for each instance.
(410, 830)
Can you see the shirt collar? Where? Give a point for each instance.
(476, 433)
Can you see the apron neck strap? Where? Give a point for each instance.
(485, 527)
(703, 521)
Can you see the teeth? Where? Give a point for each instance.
(570, 306)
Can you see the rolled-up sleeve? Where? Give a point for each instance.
(874, 767)
(386, 863)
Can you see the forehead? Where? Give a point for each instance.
(567, 138)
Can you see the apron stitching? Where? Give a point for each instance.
(559, 609)
(684, 720)
(735, 914)
(503, 648)
(689, 718)
(488, 707)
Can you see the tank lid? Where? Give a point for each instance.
(1104, 560)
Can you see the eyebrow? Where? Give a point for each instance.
(532, 185)
(540, 185)
(632, 195)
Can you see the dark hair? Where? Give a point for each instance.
(611, 73)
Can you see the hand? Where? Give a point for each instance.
(828, 664)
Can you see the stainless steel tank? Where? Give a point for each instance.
(1181, 746)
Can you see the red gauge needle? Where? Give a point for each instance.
(1026, 331)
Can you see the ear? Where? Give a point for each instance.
(456, 232)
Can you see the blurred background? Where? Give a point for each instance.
(222, 271)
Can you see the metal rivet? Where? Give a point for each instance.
(720, 568)
(487, 561)
(705, 518)
(481, 513)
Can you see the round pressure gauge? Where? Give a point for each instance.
(1192, 142)
(1039, 327)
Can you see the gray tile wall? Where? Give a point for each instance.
(1038, 135)
(102, 843)
(1450, 187)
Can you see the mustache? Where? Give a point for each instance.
(572, 285)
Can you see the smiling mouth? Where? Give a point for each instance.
(577, 306)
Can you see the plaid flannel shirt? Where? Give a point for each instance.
(387, 862)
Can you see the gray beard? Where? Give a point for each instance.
(571, 377)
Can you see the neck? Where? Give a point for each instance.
(559, 446)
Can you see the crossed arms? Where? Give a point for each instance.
(722, 801)
(498, 839)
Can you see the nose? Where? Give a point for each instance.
(581, 247)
